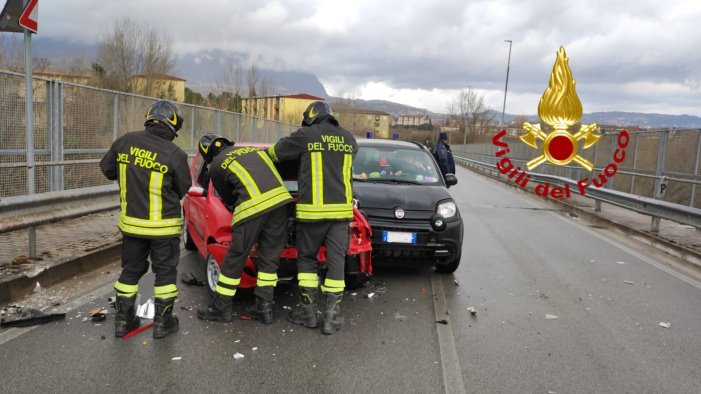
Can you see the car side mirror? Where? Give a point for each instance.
(195, 191)
(450, 180)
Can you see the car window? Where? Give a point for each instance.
(395, 164)
(197, 169)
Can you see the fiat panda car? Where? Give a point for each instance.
(207, 229)
(413, 217)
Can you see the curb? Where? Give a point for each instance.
(690, 258)
(18, 287)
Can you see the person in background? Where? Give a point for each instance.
(153, 177)
(443, 155)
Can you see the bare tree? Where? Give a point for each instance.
(252, 80)
(265, 86)
(41, 64)
(470, 114)
(129, 50)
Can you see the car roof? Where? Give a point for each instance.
(380, 143)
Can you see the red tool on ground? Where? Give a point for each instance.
(138, 330)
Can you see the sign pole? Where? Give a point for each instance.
(29, 116)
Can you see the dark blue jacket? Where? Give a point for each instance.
(444, 157)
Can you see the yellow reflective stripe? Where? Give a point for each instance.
(307, 279)
(260, 204)
(333, 286)
(317, 178)
(270, 164)
(324, 207)
(228, 281)
(267, 275)
(225, 291)
(125, 289)
(123, 187)
(155, 198)
(347, 164)
(272, 154)
(324, 215)
(165, 291)
(263, 283)
(245, 178)
(173, 222)
(162, 231)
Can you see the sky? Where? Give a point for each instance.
(626, 55)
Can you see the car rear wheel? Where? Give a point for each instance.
(187, 239)
(212, 273)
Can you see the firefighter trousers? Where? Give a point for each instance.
(310, 236)
(164, 254)
(270, 231)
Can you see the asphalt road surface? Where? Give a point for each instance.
(561, 307)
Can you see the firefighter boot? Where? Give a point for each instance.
(332, 319)
(305, 315)
(221, 308)
(125, 320)
(164, 322)
(262, 311)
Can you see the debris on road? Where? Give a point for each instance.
(665, 324)
(399, 316)
(146, 310)
(457, 282)
(442, 321)
(176, 358)
(238, 356)
(17, 316)
(138, 330)
(620, 262)
(628, 282)
(190, 279)
(551, 317)
(98, 313)
(472, 310)
(370, 295)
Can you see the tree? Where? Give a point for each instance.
(252, 80)
(129, 50)
(230, 84)
(470, 114)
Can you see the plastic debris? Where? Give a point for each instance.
(551, 317)
(442, 321)
(190, 279)
(472, 310)
(38, 288)
(176, 358)
(399, 316)
(628, 282)
(370, 295)
(146, 310)
(620, 262)
(457, 282)
(665, 324)
(98, 313)
(254, 348)
(238, 356)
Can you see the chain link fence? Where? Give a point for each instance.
(74, 125)
(658, 164)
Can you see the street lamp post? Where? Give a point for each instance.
(508, 64)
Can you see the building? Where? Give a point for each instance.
(287, 109)
(161, 85)
(413, 120)
(361, 121)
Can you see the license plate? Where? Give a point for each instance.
(399, 237)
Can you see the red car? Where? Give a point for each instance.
(207, 229)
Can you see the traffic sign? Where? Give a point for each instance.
(30, 16)
(9, 17)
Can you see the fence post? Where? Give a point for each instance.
(635, 163)
(696, 169)
(193, 144)
(54, 112)
(217, 120)
(660, 181)
(254, 127)
(238, 126)
(115, 118)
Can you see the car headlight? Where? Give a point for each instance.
(447, 209)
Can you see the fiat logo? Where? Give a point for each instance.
(399, 213)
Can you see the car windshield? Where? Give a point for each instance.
(395, 165)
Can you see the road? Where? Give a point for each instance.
(522, 260)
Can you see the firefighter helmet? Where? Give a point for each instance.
(316, 112)
(211, 144)
(167, 113)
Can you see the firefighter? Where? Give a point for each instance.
(246, 179)
(153, 176)
(325, 154)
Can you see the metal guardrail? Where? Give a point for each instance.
(647, 206)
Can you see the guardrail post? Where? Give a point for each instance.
(660, 180)
(635, 163)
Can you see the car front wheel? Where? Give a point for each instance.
(212, 273)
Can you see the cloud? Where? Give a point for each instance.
(641, 54)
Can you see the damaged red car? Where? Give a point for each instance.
(207, 229)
